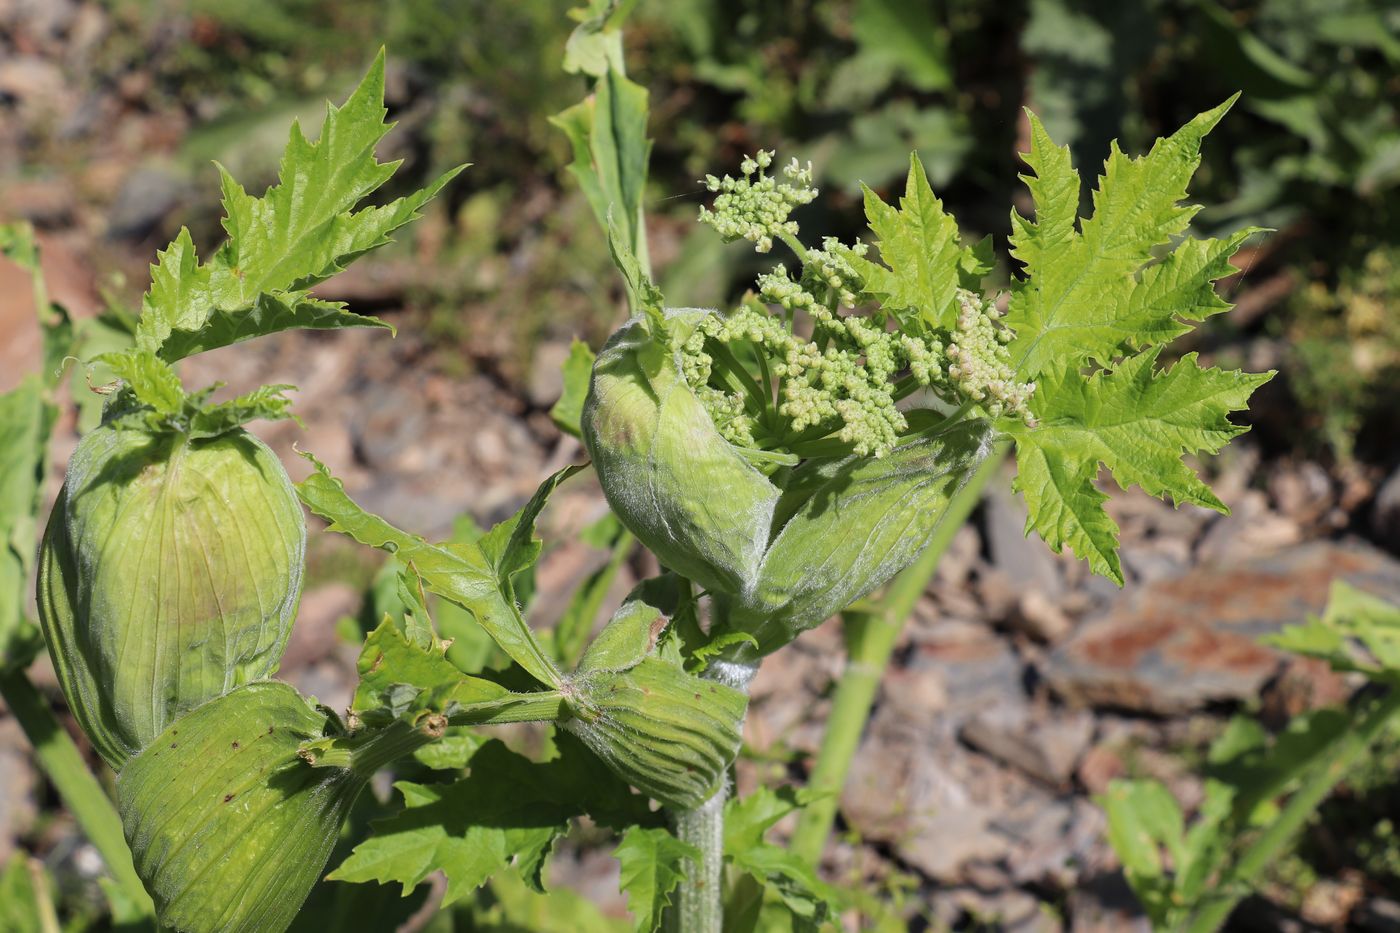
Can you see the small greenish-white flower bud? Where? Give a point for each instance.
(757, 208)
(169, 574)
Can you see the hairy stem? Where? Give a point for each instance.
(82, 794)
(1275, 840)
(698, 905)
(870, 639)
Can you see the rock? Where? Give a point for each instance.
(977, 668)
(1052, 839)
(546, 380)
(144, 199)
(930, 799)
(1045, 748)
(1385, 513)
(1040, 618)
(1105, 904)
(1181, 642)
(1027, 561)
(1251, 528)
(1377, 915)
(313, 636)
(1301, 491)
(1098, 766)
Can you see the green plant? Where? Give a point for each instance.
(1260, 790)
(782, 461)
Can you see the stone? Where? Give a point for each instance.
(1105, 904)
(546, 381)
(144, 199)
(1250, 528)
(1377, 915)
(1041, 618)
(1178, 643)
(1385, 513)
(1043, 747)
(1027, 561)
(976, 667)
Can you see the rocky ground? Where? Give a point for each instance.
(1021, 686)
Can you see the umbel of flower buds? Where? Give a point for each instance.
(169, 574)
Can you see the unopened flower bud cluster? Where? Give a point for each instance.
(756, 206)
(845, 377)
(979, 363)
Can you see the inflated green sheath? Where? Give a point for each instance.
(169, 574)
(229, 827)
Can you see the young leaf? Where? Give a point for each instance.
(747, 820)
(611, 150)
(924, 263)
(507, 811)
(578, 369)
(1136, 420)
(302, 231)
(653, 864)
(1075, 303)
(460, 573)
(402, 680)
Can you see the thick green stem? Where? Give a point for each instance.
(83, 796)
(699, 901)
(870, 640)
(698, 904)
(1275, 840)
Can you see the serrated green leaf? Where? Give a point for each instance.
(1075, 301)
(511, 545)
(578, 369)
(265, 403)
(920, 251)
(1134, 419)
(460, 573)
(807, 899)
(151, 380)
(402, 680)
(610, 147)
(302, 231)
(507, 811)
(653, 864)
(269, 314)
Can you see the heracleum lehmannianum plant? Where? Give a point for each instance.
(782, 459)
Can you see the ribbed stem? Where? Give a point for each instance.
(870, 640)
(698, 905)
(81, 793)
(699, 901)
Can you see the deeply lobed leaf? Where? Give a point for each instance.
(302, 231)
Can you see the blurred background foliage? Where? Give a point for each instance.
(1313, 150)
